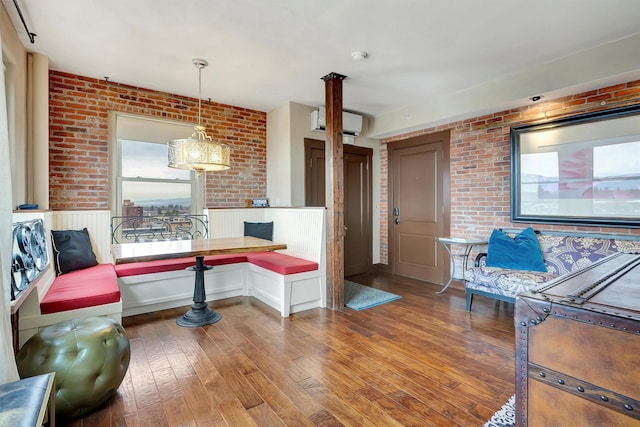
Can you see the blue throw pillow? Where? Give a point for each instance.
(523, 252)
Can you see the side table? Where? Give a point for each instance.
(447, 242)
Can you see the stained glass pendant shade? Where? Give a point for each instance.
(199, 152)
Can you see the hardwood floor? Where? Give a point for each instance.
(421, 360)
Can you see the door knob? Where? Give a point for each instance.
(396, 221)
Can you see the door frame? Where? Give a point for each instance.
(313, 144)
(426, 139)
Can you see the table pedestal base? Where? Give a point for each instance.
(198, 317)
(200, 314)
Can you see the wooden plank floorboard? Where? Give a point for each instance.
(291, 404)
(280, 382)
(421, 360)
(404, 379)
(336, 374)
(403, 366)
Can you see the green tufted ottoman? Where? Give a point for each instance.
(89, 356)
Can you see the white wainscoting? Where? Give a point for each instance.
(230, 222)
(302, 229)
(97, 222)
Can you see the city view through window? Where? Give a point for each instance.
(148, 186)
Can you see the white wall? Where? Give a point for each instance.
(300, 129)
(38, 151)
(279, 156)
(287, 127)
(601, 66)
(14, 57)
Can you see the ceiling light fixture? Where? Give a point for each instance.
(199, 152)
(359, 55)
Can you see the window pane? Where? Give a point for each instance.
(148, 160)
(157, 198)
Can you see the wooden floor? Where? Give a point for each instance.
(421, 360)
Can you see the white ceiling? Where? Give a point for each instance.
(263, 53)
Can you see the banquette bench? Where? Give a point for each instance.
(288, 284)
(562, 253)
(85, 293)
(289, 281)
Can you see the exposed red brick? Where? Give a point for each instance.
(79, 109)
(480, 163)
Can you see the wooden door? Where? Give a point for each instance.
(357, 199)
(315, 171)
(419, 182)
(357, 221)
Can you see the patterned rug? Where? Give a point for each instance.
(359, 297)
(506, 416)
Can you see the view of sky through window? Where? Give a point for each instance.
(146, 178)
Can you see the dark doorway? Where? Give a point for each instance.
(419, 206)
(357, 199)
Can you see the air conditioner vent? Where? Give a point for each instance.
(351, 123)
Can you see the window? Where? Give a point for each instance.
(144, 184)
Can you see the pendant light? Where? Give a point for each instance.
(199, 152)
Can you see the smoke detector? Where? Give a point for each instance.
(359, 55)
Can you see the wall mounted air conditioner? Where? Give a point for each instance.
(351, 123)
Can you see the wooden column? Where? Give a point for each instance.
(334, 191)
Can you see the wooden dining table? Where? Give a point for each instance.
(200, 313)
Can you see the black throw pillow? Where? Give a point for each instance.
(72, 250)
(261, 230)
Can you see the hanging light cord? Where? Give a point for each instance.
(199, 93)
(32, 36)
(200, 132)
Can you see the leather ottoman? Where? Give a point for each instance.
(89, 356)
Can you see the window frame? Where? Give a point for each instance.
(116, 181)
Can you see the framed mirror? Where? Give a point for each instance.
(580, 170)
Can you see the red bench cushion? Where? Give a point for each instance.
(82, 288)
(281, 263)
(160, 266)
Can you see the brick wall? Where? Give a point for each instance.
(79, 141)
(480, 162)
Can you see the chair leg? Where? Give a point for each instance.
(469, 296)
